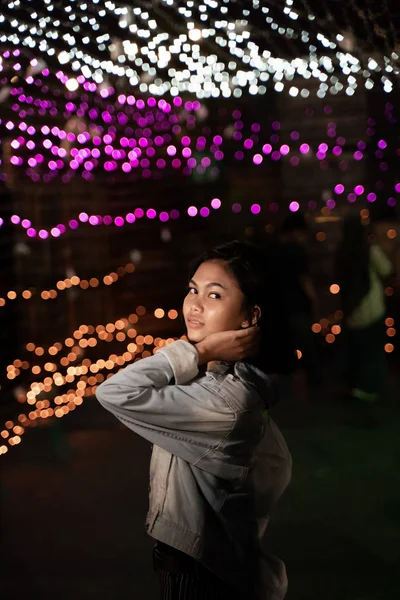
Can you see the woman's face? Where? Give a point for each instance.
(214, 302)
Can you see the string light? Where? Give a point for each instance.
(113, 146)
(74, 343)
(86, 387)
(331, 331)
(164, 216)
(157, 156)
(88, 373)
(65, 284)
(87, 150)
(209, 49)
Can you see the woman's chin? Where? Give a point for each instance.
(195, 336)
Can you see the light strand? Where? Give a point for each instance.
(68, 283)
(208, 49)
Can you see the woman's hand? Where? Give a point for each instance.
(229, 346)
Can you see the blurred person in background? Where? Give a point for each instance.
(291, 265)
(219, 462)
(387, 236)
(361, 269)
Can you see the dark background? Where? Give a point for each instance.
(74, 489)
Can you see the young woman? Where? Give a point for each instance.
(361, 269)
(219, 464)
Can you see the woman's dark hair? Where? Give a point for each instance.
(352, 264)
(251, 267)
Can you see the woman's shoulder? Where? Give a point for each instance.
(243, 372)
(242, 385)
(249, 374)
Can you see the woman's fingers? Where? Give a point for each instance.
(230, 345)
(249, 341)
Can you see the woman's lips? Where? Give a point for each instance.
(194, 323)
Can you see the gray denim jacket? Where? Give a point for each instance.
(218, 464)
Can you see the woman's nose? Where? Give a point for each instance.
(197, 305)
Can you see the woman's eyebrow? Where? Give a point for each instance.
(211, 284)
(215, 283)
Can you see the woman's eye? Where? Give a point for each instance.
(215, 296)
(192, 290)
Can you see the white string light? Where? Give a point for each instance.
(209, 49)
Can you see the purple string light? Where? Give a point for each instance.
(118, 149)
(151, 213)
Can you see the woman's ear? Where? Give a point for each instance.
(254, 317)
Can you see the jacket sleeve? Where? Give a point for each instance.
(187, 418)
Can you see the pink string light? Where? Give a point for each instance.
(111, 144)
(119, 221)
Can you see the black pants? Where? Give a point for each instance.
(367, 369)
(184, 578)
